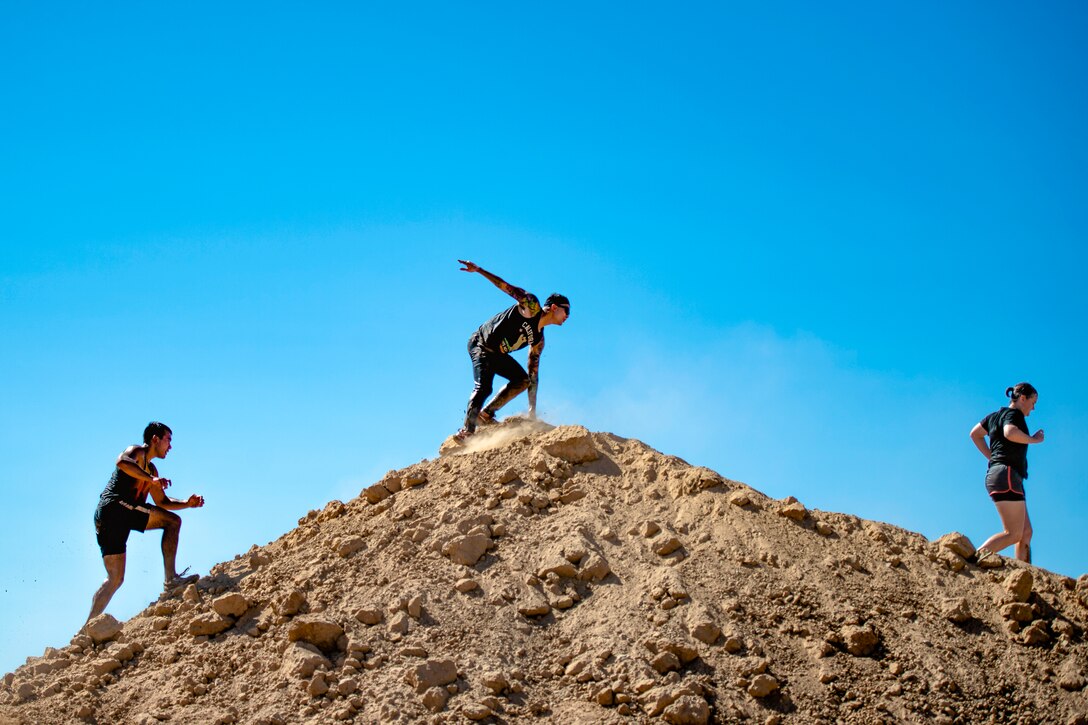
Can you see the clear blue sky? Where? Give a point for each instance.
(808, 247)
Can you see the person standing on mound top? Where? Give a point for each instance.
(122, 508)
(490, 347)
(1008, 457)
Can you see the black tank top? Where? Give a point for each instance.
(121, 487)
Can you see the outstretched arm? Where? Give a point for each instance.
(158, 495)
(534, 375)
(516, 292)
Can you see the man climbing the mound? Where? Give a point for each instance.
(490, 347)
(123, 508)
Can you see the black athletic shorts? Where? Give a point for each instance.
(115, 521)
(1004, 483)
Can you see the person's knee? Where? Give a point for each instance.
(519, 384)
(1025, 535)
(171, 521)
(481, 390)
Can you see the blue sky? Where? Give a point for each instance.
(807, 247)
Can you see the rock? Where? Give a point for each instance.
(465, 585)
(1071, 677)
(762, 685)
(209, 624)
(533, 605)
(415, 478)
(1018, 584)
(290, 605)
(350, 545)
(392, 481)
(435, 699)
(668, 546)
(318, 631)
(495, 681)
(230, 605)
(1018, 612)
(958, 544)
(476, 711)
(26, 690)
(824, 529)
(571, 443)
(665, 662)
(105, 666)
(399, 623)
(795, 511)
(317, 685)
(687, 710)
(739, 498)
(300, 659)
(560, 567)
(595, 569)
(376, 493)
(415, 606)
(956, 610)
(369, 616)
(648, 529)
(102, 628)
(706, 631)
(1035, 634)
(467, 550)
(432, 673)
(860, 641)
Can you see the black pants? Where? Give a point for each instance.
(486, 364)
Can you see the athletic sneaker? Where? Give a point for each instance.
(486, 418)
(462, 434)
(180, 580)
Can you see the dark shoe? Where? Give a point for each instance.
(461, 435)
(486, 418)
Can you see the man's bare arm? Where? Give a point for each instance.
(128, 463)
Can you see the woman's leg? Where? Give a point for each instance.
(1023, 547)
(1013, 515)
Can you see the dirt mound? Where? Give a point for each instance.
(570, 577)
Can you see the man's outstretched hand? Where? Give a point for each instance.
(195, 501)
(468, 266)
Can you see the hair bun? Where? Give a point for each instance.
(1008, 392)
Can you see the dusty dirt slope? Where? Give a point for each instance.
(558, 575)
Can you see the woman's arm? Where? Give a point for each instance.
(978, 437)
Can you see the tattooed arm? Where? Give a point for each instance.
(534, 375)
(528, 303)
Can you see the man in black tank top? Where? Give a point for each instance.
(123, 507)
(521, 325)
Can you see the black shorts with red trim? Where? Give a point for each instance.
(113, 523)
(1004, 483)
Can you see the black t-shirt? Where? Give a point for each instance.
(510, 330)
(1002, 450)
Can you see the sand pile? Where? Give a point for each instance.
(564, 576)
